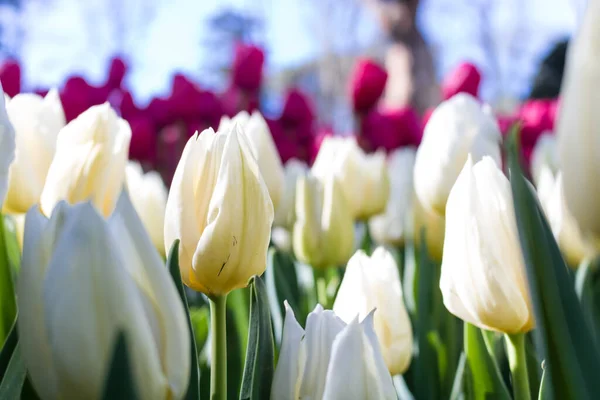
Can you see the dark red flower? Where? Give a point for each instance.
(367, 84)
(536, 117)
(116, 73)
(464, 78)
(247, 67)
(390, 129)
(76, 97)
(10, 77)
(143, 140)
(297, 109)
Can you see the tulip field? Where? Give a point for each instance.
(460, 262)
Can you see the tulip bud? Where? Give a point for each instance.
(324, 230)
(458, 127)
(483, 277)
(373, 283)
(331, 360)
(149, 196)
(367, 84)
(362, 177)
(220, 208)
(545, 155)
(89, 163)
(82, 281)
(390, 227)
(285, 214)
(578, 125)
(37, 122)
(7, 147)
(263, 148)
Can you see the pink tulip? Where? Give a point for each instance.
(367, 84)
(10, 76)
(247, 67)
(464, 78)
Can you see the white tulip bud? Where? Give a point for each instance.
(7, 147)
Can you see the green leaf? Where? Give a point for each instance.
(587, 287)
(119, 383)
(545, 392)
(8, 302)
(562, 335)
(259, 368)
(12, 243)
(12, 382)
(486, 382)
(200, 317)
(457, 386)
(7, 350)
(193, 392)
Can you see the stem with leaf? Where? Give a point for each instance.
(515, 348)
(218, 328)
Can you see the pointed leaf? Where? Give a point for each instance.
(119, 383)
(7, 350)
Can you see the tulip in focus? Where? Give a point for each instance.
(89, 163)
(82, 281)
(7, 147)
(220, 209)
(37, 121)
(578, 125)
(285, 214)
(330, 360)
(458, 127)
(390, 227)
(544, 155)
(483, 277)
(149, 197)
(362, 177)
(324, 230)
(373, 283)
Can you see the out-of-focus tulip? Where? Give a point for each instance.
(571, 240)
(149, 196)
(331, 360)
(37, 122)
(324, 230)
(82, 281)
(483, 277)
(89, 162)
(247, 67)
(465, 78)
(578, 125)
(362, 177)
(373, 283)
(10, 77)
(220, 208)
(544, 155)
(7, 147)
(390, 227)
(285, 214)
(367, 84)
(458, 127)
(434, 226)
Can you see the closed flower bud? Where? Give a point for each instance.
(285, 214)
(82, 281)
(545, 155)
(89, 163)
(483, 277)
(149, 197)
(373, 283)
(390, 227)
(458, 127)
(7, 147)
(220, 209)
(578, 125)
(37, 122)
(324, 230)
(367, 84)
(362, 177)
(331, 360)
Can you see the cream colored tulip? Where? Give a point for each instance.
(149, 196)
(373, 283)
(390, 227)
(483, 277)
(89, 163)
(362, 177)
(578, 125)
(220, 209)
(37, 121)
(458, 127)
(331, 360)
(7, 148)
(324, 231)
(263, 148)
(285, 214)
(544, 155)
(82, 281)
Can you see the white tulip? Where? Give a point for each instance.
(363, 177)
(390, 227)
(331, 360)
(90, 159)
(578, 125)
(483, 277)
(7, 147)
(82, 281)
(544, 155)
(373, 283)
(37, 121)
(285, 214)
(149, 196)
(458, 127)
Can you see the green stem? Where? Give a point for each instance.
(515, 348)
(8, 301)
(218, 328)
(320, 276)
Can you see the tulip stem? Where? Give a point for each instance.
(218, 328)
(515, 346)
(321, 286)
